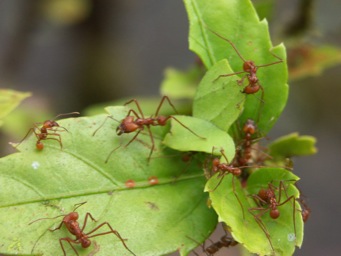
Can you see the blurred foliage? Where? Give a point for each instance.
(9, 100)
(310, 60)
(66, 12)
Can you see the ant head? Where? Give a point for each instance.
(263, 194)
(215, 162)
(274, 213)
(85, 242)
(39, 145)
(305, 215)
(249, 127)
(249, 66)
(237, 172)
(127, 125)
(161, 120)
(50, 124)
(72, 216)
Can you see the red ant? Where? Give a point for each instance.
(243, 152)
(305, 210)
(43, 132)
(224, 241)
(136, 122)
(267, 202)
(224, 169)
(72, 225)
(248, 67)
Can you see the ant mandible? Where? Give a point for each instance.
(224, 169)
(249, 67)
(137, 122)
(72, 225)
(267, 202)
(43, 132)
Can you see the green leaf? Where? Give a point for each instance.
(9, 100)
(246, 230)
(238, 22)
(181, 84)
(134, 196)
(292, 145)
(218, 101)
(181, 139)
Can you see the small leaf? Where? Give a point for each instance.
(212, 137)
(238, 22)
(247, 231)
(219, 101)
(292, 145)
(9, 100)
(134, 196)
(181, 84)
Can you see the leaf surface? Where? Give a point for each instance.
(9, 100)
(218, 100)
(238, 22)
(246, 230)
(127, 192)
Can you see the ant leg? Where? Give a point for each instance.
(232, 74)
(106, 160)
(221, 179)
(59, 140)
(60, 225)
(153, 143)
(259, 200)
(69, 240)
(294, 209)
(222, 151)
(134, 112)
(234, 192)
(112, 151)
(137, 105)
(261, 106)
(272, 63)
(161, 103)
(29, 131)
(260, 222)
(88, 214)
(109, 232)
(198, 244)
(227, 40)
(186, 127)
(58, 129)
(104, 123)
(241, 81)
